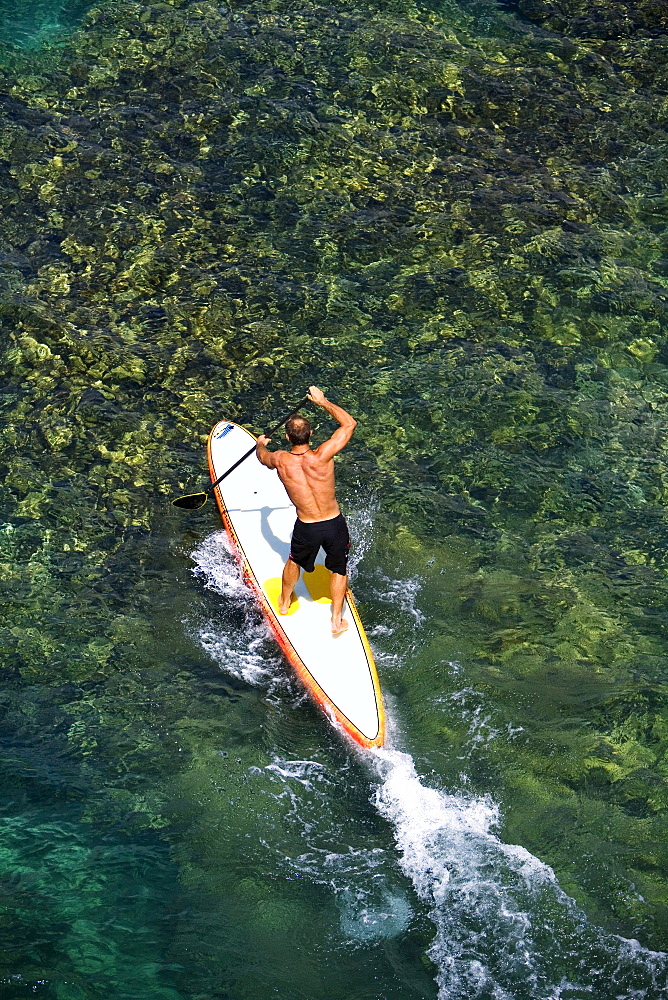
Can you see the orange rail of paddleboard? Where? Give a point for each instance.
(288, 649)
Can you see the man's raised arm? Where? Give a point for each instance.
(343, 433)
(264, 455)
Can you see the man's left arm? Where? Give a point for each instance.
(265, 456)
(343, 433)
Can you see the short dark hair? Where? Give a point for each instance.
(298, 430)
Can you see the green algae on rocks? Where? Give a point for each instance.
(460, 230)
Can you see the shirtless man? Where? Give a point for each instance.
(308, 476)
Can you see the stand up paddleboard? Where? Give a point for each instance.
(338, 671)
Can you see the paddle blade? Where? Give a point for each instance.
(191, 502)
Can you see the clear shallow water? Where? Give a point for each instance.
(504, 927)
(463, 238)
(33, 22)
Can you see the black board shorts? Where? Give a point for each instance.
(331, 535)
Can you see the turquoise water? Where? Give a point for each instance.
(33, 22)
(453, 219)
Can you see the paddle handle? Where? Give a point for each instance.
(251, 450)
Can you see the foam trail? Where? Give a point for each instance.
(402, 594)
(240, 647)
(216, 565)
(360, 522)
(504, 928)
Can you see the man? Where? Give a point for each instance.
(308, 476)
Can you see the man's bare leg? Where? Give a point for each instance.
(337, 587)
(291, 573)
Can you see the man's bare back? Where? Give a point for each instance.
(308, 476)
(309, 480)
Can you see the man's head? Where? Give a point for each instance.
(298, 430)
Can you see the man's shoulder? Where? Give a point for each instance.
(279, 457)
(322, 453)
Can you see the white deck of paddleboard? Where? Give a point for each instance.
(263, 517)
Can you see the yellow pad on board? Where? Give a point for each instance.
(272, 589)
(317, 584)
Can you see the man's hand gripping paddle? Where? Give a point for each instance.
(193, 501)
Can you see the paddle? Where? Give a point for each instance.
(193, 501)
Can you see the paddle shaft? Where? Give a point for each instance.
(251, 450)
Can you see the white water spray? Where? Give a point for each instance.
(504, 929)
(241, 651)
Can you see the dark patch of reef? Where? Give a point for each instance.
(626, 37)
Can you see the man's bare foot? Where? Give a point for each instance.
(284, 606)
(341, 627)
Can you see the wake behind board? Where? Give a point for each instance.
(338, 671)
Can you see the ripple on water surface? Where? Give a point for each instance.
(33, 22)
(504, 928)
(459, 223)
